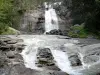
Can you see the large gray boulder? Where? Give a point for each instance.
(75, 61)
(44, 56)
(45, 59)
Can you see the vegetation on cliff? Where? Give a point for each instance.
(87, 12)
(11, 12)
(83, 11)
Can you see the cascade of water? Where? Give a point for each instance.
(51, 20)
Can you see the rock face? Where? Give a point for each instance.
(33, 22)
(45, 59)
(55, 32)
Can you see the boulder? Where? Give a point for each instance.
(44, 53)
(11, 54)
(75, 61)
(55, 32)
(44, 57)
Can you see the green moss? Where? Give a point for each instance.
(78, 31)
(10, 31)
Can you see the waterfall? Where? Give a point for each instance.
(51, 20)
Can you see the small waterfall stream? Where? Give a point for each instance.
(51, 20)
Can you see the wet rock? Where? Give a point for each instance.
(12, 42)
(75, 61)
(4, 48)
(11, 54)
(44, 53)
(20, 69)
(58, 73)
(20, 40)
(50, 64)
(90, 59)
(20, 47)
(91, 53)
(45, 59)
(3, 61)
(39, 65)
(2, 43)
(55, 32)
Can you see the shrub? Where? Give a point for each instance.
(78, 31)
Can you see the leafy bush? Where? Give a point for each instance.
(10, 31)
(78, 31)
(3, 27)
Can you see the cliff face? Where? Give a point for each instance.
(32, 21)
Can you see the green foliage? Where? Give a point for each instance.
(10, 31)
(5, 18)
(3, 27)
(11, 12)
(78, 31)
(87, 11)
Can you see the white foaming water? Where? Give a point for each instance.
(62, 60)
(29, 54)
(51, 20)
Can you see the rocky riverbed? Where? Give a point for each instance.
(57, 55)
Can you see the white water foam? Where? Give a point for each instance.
(29, 53)
(51, 20)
